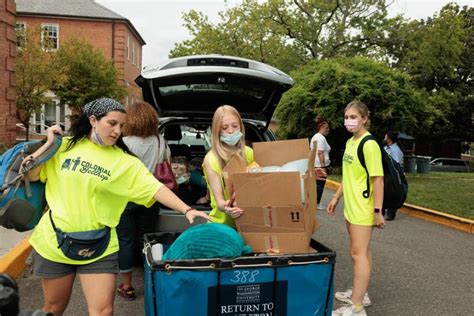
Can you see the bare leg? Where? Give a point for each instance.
(56, 293)
(99, 290)
(361, 260)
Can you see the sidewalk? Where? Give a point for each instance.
(10, 238)
(14, 251)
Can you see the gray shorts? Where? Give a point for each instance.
(49, 269)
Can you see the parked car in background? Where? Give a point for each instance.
(186, 91)
(449, 165)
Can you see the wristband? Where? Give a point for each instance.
(376, 210)
(189, 209)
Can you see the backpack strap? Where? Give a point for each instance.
(44, 156)
(360, 155)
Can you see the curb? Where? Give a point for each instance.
(13, 262)
(452, 221)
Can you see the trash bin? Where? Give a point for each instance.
(257, 284)
(423, 164)
(410, 164)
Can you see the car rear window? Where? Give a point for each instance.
(255, 92)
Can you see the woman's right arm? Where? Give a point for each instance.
(218, 191)
(34, 174)
(335, 199)
(168, 198)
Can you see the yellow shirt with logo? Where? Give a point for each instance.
(357, 209)
(216, 214)
(87, 188)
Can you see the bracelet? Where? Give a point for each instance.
(189, 209)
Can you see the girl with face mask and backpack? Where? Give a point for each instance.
(228, 139)
(362, 213)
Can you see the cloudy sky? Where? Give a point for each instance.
(159, 21)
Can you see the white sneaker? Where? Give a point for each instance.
(349, 310)
(347, 295)
(321, 207)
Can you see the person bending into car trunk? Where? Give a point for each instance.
(361, 212)
(89, 182)
(143, 139)
(228, 140)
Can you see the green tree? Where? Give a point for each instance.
(244, 32)
(437, 54)
(85, 75)
(286, 34)
(324, 88)
(35, 72)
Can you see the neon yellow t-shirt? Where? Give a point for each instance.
(216, 214)
(357, 209)
(88, 187)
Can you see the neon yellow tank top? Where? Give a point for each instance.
(216, 214)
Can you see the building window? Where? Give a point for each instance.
(50, 36)
(128, 47)
(20, 30)
(139, 52)
(133, 53)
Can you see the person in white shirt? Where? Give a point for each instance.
(396, 153)
(322, 161)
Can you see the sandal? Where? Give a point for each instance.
(128, 294)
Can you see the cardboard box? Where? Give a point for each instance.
(278, 242)
(272, 218)
(280, 207)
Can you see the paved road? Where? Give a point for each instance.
(420, 268)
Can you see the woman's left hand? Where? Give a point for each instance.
(379, 221)
(191, 214)
(233, 211)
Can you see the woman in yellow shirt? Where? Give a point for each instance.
(89, 182)
(361, 213)
(228, 139)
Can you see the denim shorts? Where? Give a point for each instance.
(49, 269)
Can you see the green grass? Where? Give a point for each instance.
(447, 192)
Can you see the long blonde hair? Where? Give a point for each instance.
(223, 151)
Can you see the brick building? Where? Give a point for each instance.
(7, 72)
(112, 33)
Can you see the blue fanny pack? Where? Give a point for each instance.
(83, 245)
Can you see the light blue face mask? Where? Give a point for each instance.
(96, 138)
(231, 139)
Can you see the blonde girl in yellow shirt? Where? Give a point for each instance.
(228, 139)
(361, 213)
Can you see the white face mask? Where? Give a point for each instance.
(231, 139)
(351, 124)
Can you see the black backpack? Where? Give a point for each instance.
(395, 184)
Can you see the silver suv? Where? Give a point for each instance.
(186, 92)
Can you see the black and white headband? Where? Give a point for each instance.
(102, 106)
